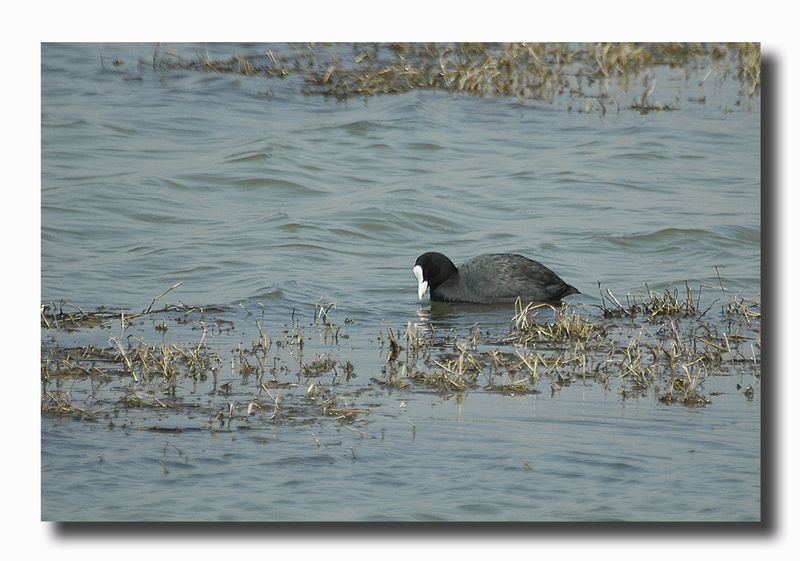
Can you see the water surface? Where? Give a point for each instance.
(256, 196)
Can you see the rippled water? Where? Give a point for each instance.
(252, 193)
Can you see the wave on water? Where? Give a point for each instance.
(665, 237)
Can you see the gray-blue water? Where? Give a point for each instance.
(256, 196)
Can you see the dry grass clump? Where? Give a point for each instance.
(77, 362)
(749, 69)
(144, 362)
(684, 389)
(564, 327)
(59, 402)
(142, 381)
(399, 367)
(452, 371)
(746, 308)
(267, 64)
(322, 319)
(668, 303)
(660, 344)
(320, 365)
(331, 405)
(531, 70)
(54, 316)
(664, 348)
(447, 372)
(524, 70)
(512, 389)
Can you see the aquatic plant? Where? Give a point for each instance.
(586, 72)
(663, 344)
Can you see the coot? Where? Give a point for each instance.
(488, 279)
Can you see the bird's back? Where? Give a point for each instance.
(505, 277)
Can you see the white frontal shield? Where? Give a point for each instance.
(423, 284)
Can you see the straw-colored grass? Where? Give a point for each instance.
(543, 71)
(663, 344)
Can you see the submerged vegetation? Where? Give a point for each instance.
(660, 345)
(664, 348)
(168, 384)
(596, 76)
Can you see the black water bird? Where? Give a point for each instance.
(488, 279)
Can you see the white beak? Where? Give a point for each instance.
(423, 284)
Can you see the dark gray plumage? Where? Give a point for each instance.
(489, 279)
